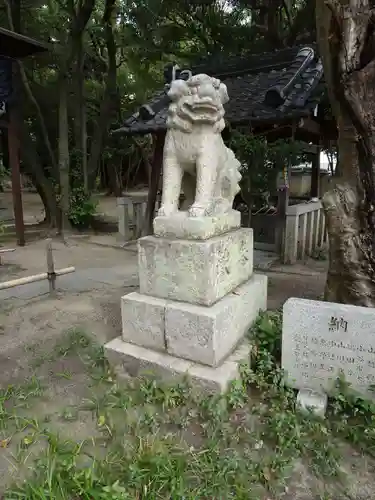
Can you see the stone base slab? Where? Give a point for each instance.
(143, 320)
(131, 360)
(182, 226)
(197, 272)
(202, 334)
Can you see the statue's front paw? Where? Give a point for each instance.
(196, 211)
(166, 210)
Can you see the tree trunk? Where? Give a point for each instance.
(43, 188)
(114, 183)
(64, 155)
(85, 172)
(33, 168)
(4, 149)
(110, 95)
(14, 20)
(346, 39)
(80, 117)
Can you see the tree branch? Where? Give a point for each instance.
(96, 47)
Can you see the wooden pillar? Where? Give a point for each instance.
(315, 174)
(14, 164)
(282, 206)
(157, 164)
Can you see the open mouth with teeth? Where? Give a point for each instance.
(203, 105)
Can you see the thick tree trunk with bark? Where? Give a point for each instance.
(34, 169)
(346, 38)
(64, 158)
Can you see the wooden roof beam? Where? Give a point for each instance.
(310, 126)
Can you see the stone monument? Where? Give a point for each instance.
(197, 292)
(322, 341)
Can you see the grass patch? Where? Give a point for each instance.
(154, 441)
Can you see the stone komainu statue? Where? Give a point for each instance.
(195, 156)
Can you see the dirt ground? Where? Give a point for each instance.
(90, 298)
(50, 379)
(32, 325)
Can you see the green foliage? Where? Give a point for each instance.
(82, 208)
(265, 335)
(350, 416)
(145, 36)
(262, 161)
(3, 171)
(320, 253)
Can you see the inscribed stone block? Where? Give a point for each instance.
(197, 272)
(323, 340)
(143, 320)
(180, 225)
(208, 334)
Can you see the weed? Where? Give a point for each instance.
(155, 441)
(265, 335)
(320, 253)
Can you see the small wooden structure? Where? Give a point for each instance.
(276, 95)
(14, 46)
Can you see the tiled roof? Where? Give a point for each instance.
(265, 88)
(18, 46)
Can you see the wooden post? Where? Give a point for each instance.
(14, 163)
(5, 250)
(290, 247)
(123, 205)
(315, 174)
(282, 206)
(157, 164)
(51, 275)
(13, 133)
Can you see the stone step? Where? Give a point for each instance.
(129, 360)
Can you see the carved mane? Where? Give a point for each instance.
(197, 101)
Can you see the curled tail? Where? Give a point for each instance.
(233, 171)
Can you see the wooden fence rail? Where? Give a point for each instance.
(50, 275)
(305, 231)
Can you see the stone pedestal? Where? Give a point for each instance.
(198, 297)
(197, 272)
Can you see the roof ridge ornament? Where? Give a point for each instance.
(276, 95)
